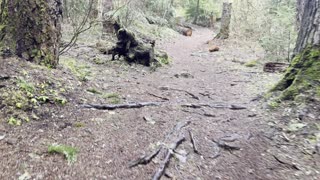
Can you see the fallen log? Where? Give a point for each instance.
(120, 106)
(186, 31)
(273, 67)
(165, 163)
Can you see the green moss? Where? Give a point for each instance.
(112, 98)
(70, 153)
(251, 63)
(302, 76)
(13, 121)
(81, 71)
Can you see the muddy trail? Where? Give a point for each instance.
(211, 95)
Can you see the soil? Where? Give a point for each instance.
(109, 140)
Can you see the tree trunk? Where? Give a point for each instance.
(303, 77)
(300, 10)
(225, 21)
(197, 13)
(33, 30)
(94, 13)
(107, 22)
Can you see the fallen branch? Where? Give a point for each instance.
(166, 161)
(194, 145)
(218, 106)
(121, 106)
(181, 90)
(145, 159)
(2, 78)
(163, 98)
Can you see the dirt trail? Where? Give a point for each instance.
(109, 140)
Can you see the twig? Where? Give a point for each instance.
(181, 90)
(121, 106)
(194, 145)
(166, 161)
(157, 96)
(145, 159)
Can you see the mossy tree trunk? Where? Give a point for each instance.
(303, 76)
(225, 21)
(33, 29)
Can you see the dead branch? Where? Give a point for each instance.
(121, 106)
(166, 161)
(157, 96)
(145, 159)
(181, 90)
(218, 106)
(193, 141)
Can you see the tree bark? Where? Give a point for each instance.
(197, 13)
(303, 77)
(309, 31)
(33, 30)
(225, 21)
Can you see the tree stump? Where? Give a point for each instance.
(131, 49)
(225, 21)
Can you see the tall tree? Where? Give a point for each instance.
(303, 75)
(33, 29)
(225, 21)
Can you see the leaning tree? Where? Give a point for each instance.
(32, 29)
(303, 75)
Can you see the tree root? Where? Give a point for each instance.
(121, 106)
(166, 161)
(145, 159)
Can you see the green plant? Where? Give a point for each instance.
(70, 153)
(15, 122)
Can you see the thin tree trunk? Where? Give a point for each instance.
(225, 21)
(33, 30)
(197, 12)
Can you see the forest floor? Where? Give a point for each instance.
(232, 143)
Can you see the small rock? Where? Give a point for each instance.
(2, 137)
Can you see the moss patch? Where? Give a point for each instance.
(70, 153)
(81, 71)
(251, 63)
(302, 76)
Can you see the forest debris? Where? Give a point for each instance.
(145, 159)
(193, 141)
(177, 128)
(160, 97)
(180, 90)
(166, 161)
(2, 78)
(226, 146)
(273, 67)
(218, 106)
(283, 161)
(121, 106)
(184, 75)
(149, 120)
(2, 137)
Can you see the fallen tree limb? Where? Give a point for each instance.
(218, 106)
(157, 96)
(166, 161)
(177, 128)
(121, 106)
(194, 145)
(145, 159)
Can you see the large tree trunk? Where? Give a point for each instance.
(225, 21)
(33, 30)
(303, 75)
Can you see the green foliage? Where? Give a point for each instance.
(207, 10)
(252, 63)
(270, 22)
(80, 70)
(70, 153)
(13, 121)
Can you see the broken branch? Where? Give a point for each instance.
(194, 145)
(145, 159)
(121, 106)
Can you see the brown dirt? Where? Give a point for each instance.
(109, 140)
